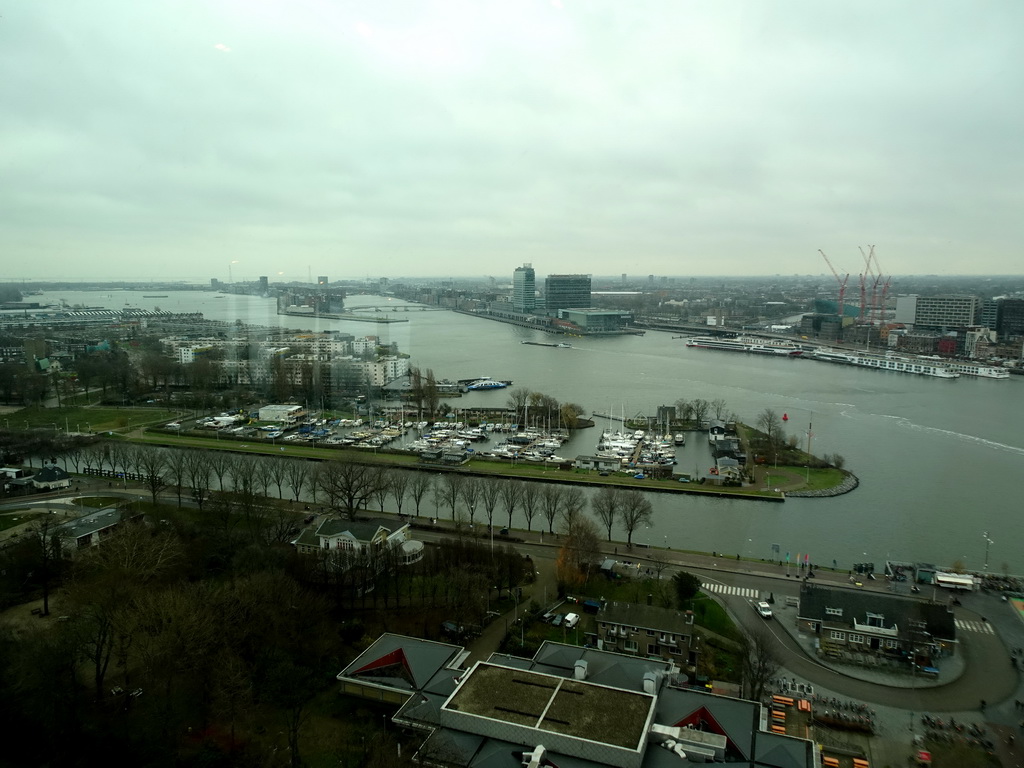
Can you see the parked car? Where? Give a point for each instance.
(571, 620)
(557, 621)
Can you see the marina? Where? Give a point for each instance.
(913, 441)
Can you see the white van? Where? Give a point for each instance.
(571, 620)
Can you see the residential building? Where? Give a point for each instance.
(566, 292)
(361, 538)
(588, 708)
(855, 622)
(648, 631)
(524, 289)
(50, 478)
(88, 531)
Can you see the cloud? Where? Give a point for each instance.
(440, 138)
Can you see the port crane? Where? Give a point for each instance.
(840, 280)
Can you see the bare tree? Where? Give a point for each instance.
(382, 487)
(720, 408)
(760, 662)
(511, 495)
(450, 488)
(490, 492)
(419, 486)
(770, 424)
(298, 474)
(471, 491)
(220, 462)
(606, 505)
(398, 480)
(277, 471)
(700, 408)
(198, 471)
(684, 409)
(551, 502)
(176, 469)
(348, 486)
(636, 511)
(530, 499)
(152, 463)
(517, 399)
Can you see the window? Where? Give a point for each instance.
(892, 644)
(833, 611)
(630, 646)
(875, 620)
(650, 633)
(653, 649)
(837, 635)
(855, 638)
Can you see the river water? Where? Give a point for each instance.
(940, 461)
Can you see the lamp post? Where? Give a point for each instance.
(988, 543)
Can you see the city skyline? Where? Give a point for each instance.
(434, 140)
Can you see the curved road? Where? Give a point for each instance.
(988, 673)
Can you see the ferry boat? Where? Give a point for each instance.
(747, 344)
(487, 383)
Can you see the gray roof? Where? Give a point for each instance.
(856, 604)
(646, 617)
(412, 661)
(361, 530)
(90, 524)
(50, 474)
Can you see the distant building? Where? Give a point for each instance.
(287, 414)
(647, 631)
(264, 284)
(566, 292)
(597, 321)
(938, 311)
(524, 289)
(1011, 318)
(322, 280)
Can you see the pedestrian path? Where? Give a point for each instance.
(725, 589)
(975, 626)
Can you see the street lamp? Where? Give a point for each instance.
(988, 543)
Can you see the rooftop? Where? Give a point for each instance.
(553, 704)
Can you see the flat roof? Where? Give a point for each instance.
(554, 704)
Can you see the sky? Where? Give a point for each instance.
(229, 139)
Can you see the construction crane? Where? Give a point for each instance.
(875, 275)
(840, 280)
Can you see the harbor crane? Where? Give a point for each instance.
(840, 280)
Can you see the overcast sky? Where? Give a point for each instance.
(395, 138)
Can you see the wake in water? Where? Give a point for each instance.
(903, 421)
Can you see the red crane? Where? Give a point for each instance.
(840, 280)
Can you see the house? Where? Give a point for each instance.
(649, 631)
(50, 478)
(367, 537)
(588, 708)
(848, 621)
(90, 530)
(600, 463)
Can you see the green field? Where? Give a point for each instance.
(9, 521)
(87, 418)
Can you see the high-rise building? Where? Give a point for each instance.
(1011, 317)
(566, 292)
(524, 289)
(938, 311)
(264, 284)
(322, 280)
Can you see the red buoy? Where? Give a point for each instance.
(785, 417)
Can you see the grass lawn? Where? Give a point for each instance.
(84, 419)
(9, 521)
